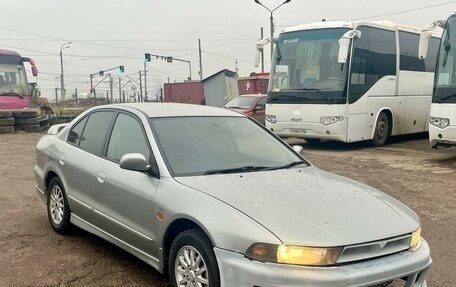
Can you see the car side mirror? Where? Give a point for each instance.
(259, 108)
(297, 148)
(134, 162)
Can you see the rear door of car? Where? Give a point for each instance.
(126, 204)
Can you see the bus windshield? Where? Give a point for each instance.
(445, 77)
(305, 68)
(13, 79)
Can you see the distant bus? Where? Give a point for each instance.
(442, 125)
(350, 81)
(15, 92)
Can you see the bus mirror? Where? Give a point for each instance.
(257, 57)
(344, 44)
(259, 49)
(426, 34)
(424, 44)
(34, 71)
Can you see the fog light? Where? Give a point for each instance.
(440, 122)
(326, 121)
(271, 118)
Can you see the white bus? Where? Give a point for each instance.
(442, 125)
(350, 81)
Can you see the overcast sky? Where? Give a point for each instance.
(106, 34)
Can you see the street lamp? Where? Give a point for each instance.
(271, 19)
(62, 82)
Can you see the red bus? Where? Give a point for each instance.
(15, 91)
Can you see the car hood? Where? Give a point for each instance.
(310, 207)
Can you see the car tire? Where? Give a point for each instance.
(193, 246)
(382, 128)
(57, 207)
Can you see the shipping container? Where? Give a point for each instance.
(191, 92)
(253, 85)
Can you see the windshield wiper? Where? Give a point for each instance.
(247, 168)
(294, 97)
(288, 165)
(316, 90)
(446, 97)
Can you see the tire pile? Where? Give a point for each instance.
(19, 120)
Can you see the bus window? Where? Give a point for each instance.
(374, 56)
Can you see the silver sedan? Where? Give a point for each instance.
(212, 198)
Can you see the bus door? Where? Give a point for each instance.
(372, 80)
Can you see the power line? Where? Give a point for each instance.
(407, 11)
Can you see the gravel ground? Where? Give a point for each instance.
(31, 254)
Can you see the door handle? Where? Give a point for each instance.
(62, 159)
(101, 176)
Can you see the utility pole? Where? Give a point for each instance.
(262, 52)
(76, 95)
(140, 88)
(145, 81)
(120, 91)
(111, 87)
(271, 20)
(200, 60)
(62, 81)
(56, 96)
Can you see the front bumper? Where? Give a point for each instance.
(336, 132)
(238, 271)
(442, 137)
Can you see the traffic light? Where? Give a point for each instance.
(146, 57)
(121, 69)
(169, 59)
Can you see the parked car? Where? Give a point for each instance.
(252, 105)
(212, 198)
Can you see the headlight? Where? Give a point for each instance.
(326, 121)
(296, 255)
(440, 122)
(271, 118)
(416, 240)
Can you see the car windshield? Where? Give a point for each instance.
(209, 145)
(241, 102)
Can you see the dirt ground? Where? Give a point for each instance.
(31, 254)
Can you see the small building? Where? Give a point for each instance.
(220, 87)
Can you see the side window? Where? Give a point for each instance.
(127, 137)
(374, 56)
(408, 43)
(95, 131)
(431, 60)
(74, 136)
(261, 104)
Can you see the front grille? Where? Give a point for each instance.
(375, 249)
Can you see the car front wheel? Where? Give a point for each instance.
(57, 207)
(192, 261)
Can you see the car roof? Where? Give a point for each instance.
(158, 110)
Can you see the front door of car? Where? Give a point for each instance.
(259, 110)
(79, 161)
(126, 203)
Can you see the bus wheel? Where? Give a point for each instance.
(312, 141)
(381, 130)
